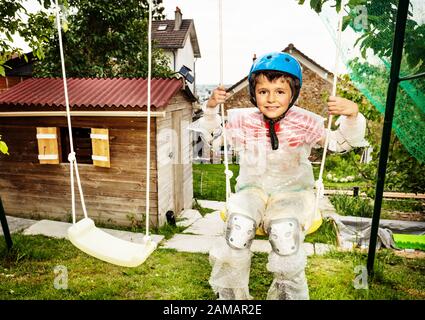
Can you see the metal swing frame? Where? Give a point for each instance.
(395, 79)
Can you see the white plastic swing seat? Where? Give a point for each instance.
(99, 244)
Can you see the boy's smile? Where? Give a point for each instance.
(273, 97)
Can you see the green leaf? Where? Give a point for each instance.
(2, 71)
(9, 36)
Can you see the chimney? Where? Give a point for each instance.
(254, 57)
(178, 19)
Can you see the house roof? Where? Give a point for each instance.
(114, 93)
(168, 38)
(290, 48)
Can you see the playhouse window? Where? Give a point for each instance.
(82, 144)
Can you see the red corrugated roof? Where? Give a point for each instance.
(91, 92)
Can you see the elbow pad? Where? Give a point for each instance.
(350, 134)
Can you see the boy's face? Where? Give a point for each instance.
(273, 97)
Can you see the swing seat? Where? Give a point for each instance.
(99, 244)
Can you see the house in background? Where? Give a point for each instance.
(317, 82)
(179, 41)
(109, 122)
(17, 70)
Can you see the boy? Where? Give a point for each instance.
(274, 189)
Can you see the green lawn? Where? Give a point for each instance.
(209, 181)
(28, 273)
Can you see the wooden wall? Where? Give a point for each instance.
(113, 195)
(174, 154)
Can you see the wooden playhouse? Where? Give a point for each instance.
(109, 121)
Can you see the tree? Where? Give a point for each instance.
(34, 28)
(104, 39)
(404, 172)
(381, 17)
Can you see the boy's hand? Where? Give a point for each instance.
(218, 96)
(342, 106)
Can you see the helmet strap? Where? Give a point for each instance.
(272, 132)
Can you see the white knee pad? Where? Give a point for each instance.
(240, 231)
(284, 236)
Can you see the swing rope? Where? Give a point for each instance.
(227, 172)
(72, 156)
(73, 166)
(320, 188)
(148, 141)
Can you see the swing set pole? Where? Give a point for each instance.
(5, 227)
(400, 27)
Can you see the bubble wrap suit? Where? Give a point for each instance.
(272, 184)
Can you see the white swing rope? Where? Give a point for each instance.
(320, 188)
(71, 157)
(148, 141)
(73, 166)
(227, 172)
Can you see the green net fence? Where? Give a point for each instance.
(366, 48)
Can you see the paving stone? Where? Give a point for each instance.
(308, 248)
(17, 224)
(215, 205)
(190, 243)
(188, 217)
(322, 248)
(325, 206)
(49, 228)
(210, 225)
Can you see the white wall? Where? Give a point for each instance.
(185, 57)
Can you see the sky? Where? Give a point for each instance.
(251, 27)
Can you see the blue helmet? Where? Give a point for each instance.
(280, 62)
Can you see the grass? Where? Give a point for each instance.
(27, 273)
(209, 181)
(203, 211)
(325, 234)
(348, 205)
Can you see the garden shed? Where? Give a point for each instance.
(109, 119)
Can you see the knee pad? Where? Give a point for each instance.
(240, 231)
(284, 236)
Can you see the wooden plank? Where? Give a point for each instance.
(100, 147)
(82, 122)
(47, 146)
(177, 167)
(387, 194)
